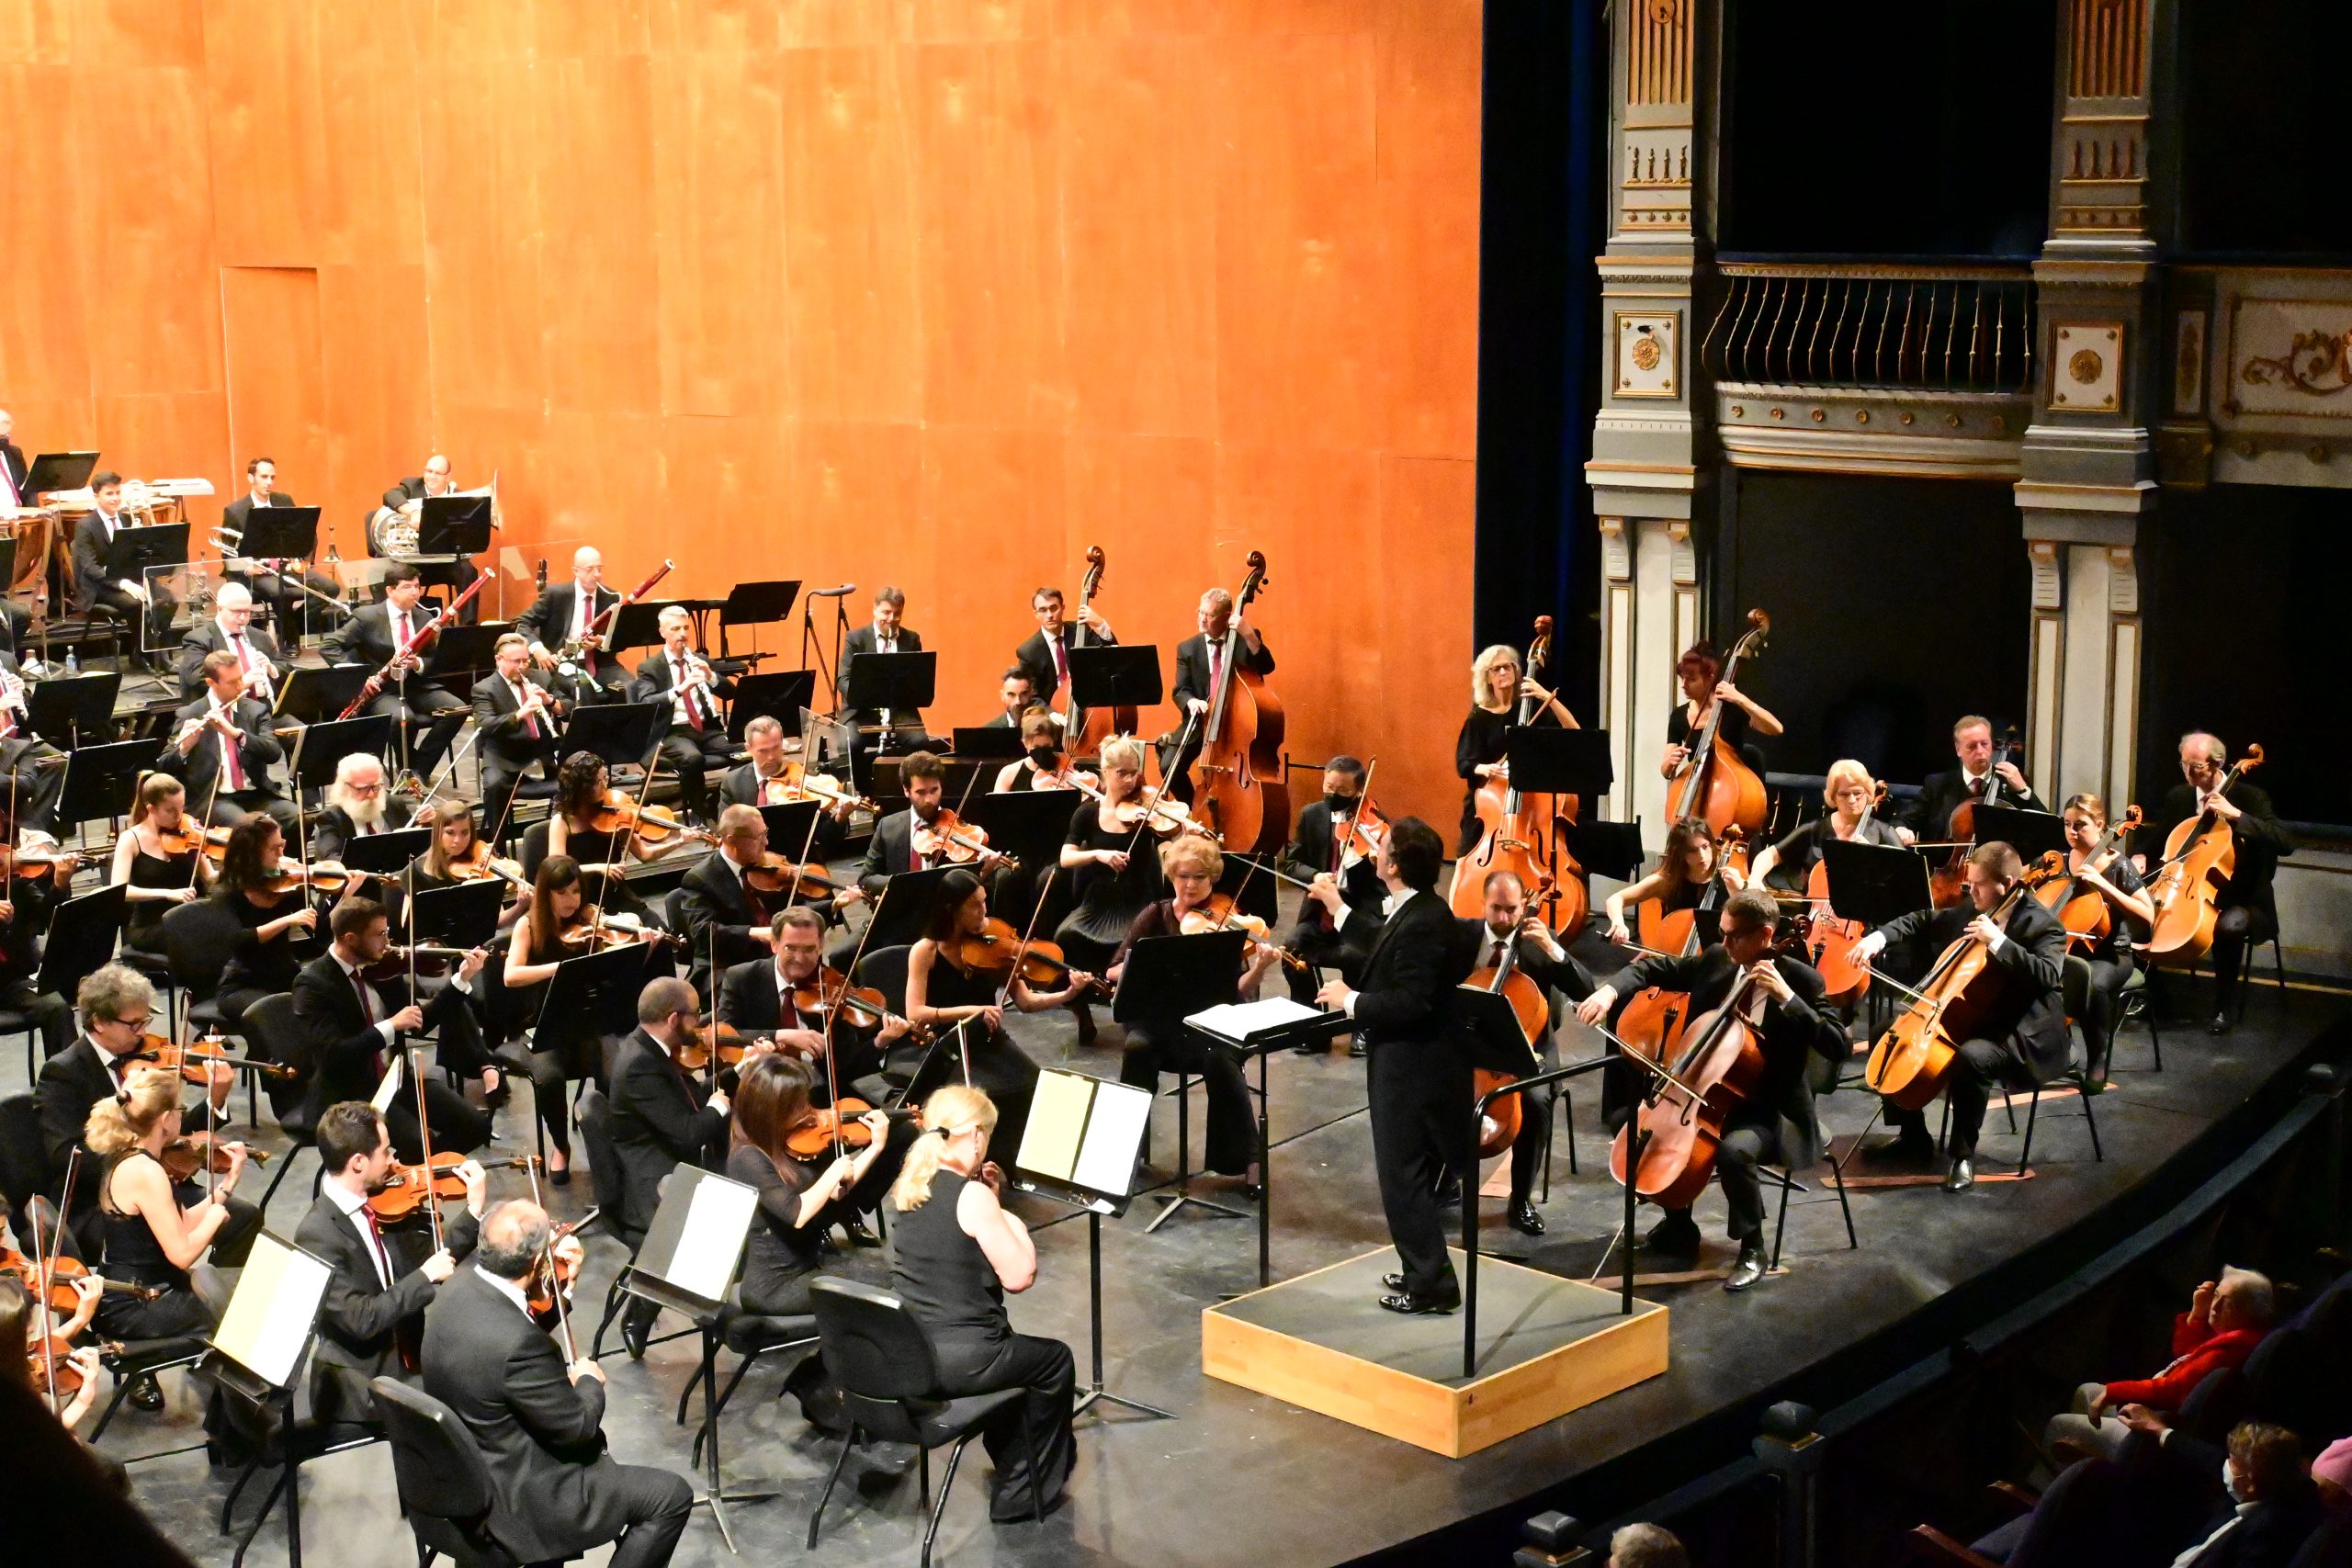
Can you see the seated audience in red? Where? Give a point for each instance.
(2225, 1320)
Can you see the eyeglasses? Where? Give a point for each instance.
(138, 1024)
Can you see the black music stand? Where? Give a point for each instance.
(58, 471)
(998, 743)
(386, 855)
(136, 550)
(1491, 1030)
(1260, 1029)
(1028, 824)
(623, 734)
(453, 526)
(591, 996)
(1608, 848)
(1118, 675)
(281, 533)
(638, 624)
(1874, 883)
(100, 780)
(1167, 977)
(2031, 833)
(464, 651)
(1545, 761)
(903, 682)
(82, 932)
(62, 709)
(756, 605)
(317, 694)
(789, 827)
(462, 915)
(320, 748)
(905, 906)
(779, 694)
(1080, 1147)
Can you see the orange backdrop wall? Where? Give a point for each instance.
(936, 293)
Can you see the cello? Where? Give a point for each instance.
(1715, 781)
(1909, 1061)
(1499, 1127)
(1089, 727)
(2201, 856)
(1520, 831)
(1834, 938)
(1238, 790)
(2085, 915)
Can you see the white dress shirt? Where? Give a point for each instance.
(354, 1208)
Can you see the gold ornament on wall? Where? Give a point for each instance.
(2086, 366)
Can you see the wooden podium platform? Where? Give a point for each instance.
(1546, 1345)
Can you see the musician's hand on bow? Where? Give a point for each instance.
(1675, 755)
(1325, 890)
(1196, 704)
(1115, 859)
(1983, 929)
(1595, 1007)
(1769, 979)
(408, 1020)
(439, 1267)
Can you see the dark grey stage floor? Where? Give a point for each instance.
(1237, 1478)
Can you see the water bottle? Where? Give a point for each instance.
(72, 663)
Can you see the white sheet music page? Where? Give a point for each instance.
(1240, 1020)
(715, 1226)
(267, 1325)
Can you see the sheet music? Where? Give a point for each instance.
(382, 1099)
(1106, 1160)
(267, 1326)
(703, 1263)
(1056, 1126)
(1239, 1021)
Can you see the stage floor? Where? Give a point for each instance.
(1238, 1478)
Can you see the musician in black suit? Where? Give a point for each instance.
(349, 1030)
(901, 731)
(14, 470)
(1803, 1046)
(223, 748)
(562, 613)
(890, 851)
(1313, 849)
(372, 638)
(408, 495)
(2023, 1040)
(755, 998)
(32, 772)
(516, 721)
(2245, 909)
(555, 1491)
(1542, 959)
(373, 1313)
(129, 599)
(725, 914)
(23, 922)
(1420, 1078)
(697, 738)
(1200, 670)
(1045, 657)
(1986, 774)
(662, 1117)
(1016, 692)
(269, 580)
(356, 807)
(231, 630)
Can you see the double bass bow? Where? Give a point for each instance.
(1237, 791)
(1520, 830)
(2201, 856)
(1715, 781)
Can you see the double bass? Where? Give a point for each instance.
(1089, 727)
(1909, 1063)
(1518, 831)
(1715, 781)
(1948, 882)
(2201, 856)
(1237, 789)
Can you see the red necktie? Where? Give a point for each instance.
(229, 749)
(694, 706)
(376, 1245)
(1061, 663)
(1217, 666)
(368, 1014)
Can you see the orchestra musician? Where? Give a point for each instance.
(1016, 693)
(356, 807)
(222, 747)
(32, 772)
(2246, 911)
(393, 528)
(887, 633)
(1418, 1077)
(157, 1232)
(1700, 671)
(891, 850)
(769, 778)
(582, 783)
(133, 602)
(1200, 671)
(157, 862)
(556, 1490)
(1685, 868)
(756, 999)
(1045, 657)
(1315, 848)
(277, 931)
(231, 630)
(352, 1030)
(664, 1117)
(14, 470)
(1496, 679)
(696, 739)
(384, 634)
(1979, 776)
(516, 720)
(456, 841)
(802, 1200)
(2130, 913)
(2022, 1041)
(376, 1296)
(1847, 794)
(21, 1322)
(1042, 764)
(1116, 874)
(1191, 866)
(269, 582)
(1542, 960)
(725, 919)
(25, 909)
(956, 1250)
(563, 613)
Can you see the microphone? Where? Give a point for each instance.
(832, 592)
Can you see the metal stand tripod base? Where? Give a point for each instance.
(1105, 1396)
(1169, 1206)
(1096, 1392)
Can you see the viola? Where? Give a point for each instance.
(1237, 789)
(406, 1188)
(725, 1038)
(54, 1376)
(1909, 1061)
(478, 864)
(37, 865)
(774, 874)
(594, 931)
(996, 948)
(1833, 938)
(554, 1272)
(863, 1007)
(1217, 913)
(947, 837)
(1518, 831)
(2085, 913)
(191, 1153)
(187, 838)
(195, 1061)
(650, 823)
(829, 1131)
(1151, 809)
(291, 877)
(1499, 1127)
(2201, 856)
(1089, 727)
(1715, 781)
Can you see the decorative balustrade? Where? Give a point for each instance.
(1928, 329)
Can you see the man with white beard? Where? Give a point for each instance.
(358, 807)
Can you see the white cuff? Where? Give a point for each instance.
(464, 986)
(1997, 943)
(1340, 916)
(389, 1031)
(1349, 1007)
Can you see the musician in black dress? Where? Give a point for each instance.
(1986, 775)
(277, 931)
(1685, 870)
(955, 1251)
(2246, 911)
(1540, 957)
(1704, 689)
(1496, 681)
(1112, 871)
(802, 1200)
(603, 854)
(1847, 794)
(1775, 1122)
(157, 1232)
(157, 874)
(2129, 914)
(1191, 866)
(1043, 765)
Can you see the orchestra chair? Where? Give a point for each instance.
(198, 941)
(885, 970)
(592, 1117)
(751, 1336)
(876, 1352)
(2078, 1519)
(441, 1478)
(284, 1443)
(2245, 967)
(1566, 1103)
(144, 1357)
(1786, 1180)
(24, 1165)
(272, 1035)
(2075, 983)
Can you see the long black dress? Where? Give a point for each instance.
(953, 1295)
(1164, 1044)
(998, 1064)
(259, 968)
(134, 1256)
(1108, 901)
(142, 927)
(783, 1257)
(1482, 741)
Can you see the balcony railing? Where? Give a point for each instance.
(1925, 328)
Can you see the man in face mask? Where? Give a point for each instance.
(1315, 848)
(1041, 764)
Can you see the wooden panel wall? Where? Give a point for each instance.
(936, 293)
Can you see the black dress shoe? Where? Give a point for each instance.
(1392, 1282)
(637, 1327)
(1449, 1195)
(1356, 1049)
(1914, 1146)
(145, 1395)
(561, 1177)
(1524, 1219)
(858, 1235)
(1406, 1302)
(1960, 1176)
(1676, 1235)
(1748, 1269)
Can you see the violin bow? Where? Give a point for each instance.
(41, 1273)
(424, 1130)
(1021, 950)
(547, 1261)
(1152, 811)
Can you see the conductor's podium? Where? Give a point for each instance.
(1546, 1345)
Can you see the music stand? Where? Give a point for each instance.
(462, 915)
(100, 780)
(321, 748)
(317, 694)
(1027, 824)
(465, 650)
(135, 550)
(82, 932)
(1114, 675)
(1260, 1029)
(756, 605)
(997, 743)
(1608, 848)
(789, 826)
(386, 855)
(1874, 883)
(1545, 761)
(1491, 1030)
(623, 734)
(1080, 1147)
(591, 996)
(2031, 833)
(902, 683)
(638, 624)
(58, 471)
(453, 526)
(905, 906)
(780, 695)
(1167, 977)
(61, 710)
(281, 533)
(686, 1262)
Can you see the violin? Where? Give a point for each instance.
(552, 1275)
(1948, 882)
(478, 865)
(829, 1131)
(61, 1273)
(54, 1376)
(863, 1007)
(1711, 1076)
(2085, 913)
(1833, 938)
(1089, 727)
(1217, 913)
(2201, 856)
(996, 948)
(1499, 1127)
(1520, 832)
(291, 877)
(188, 838)
(1238, 788)
(195, 1061)
(725, 1038)
(191, 1153)
(947, 837)
(594, 931)
(1909, 1061)
(37, 865)
(774, 874)
(406, 1188)
(649, 823)
(1715, 781)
